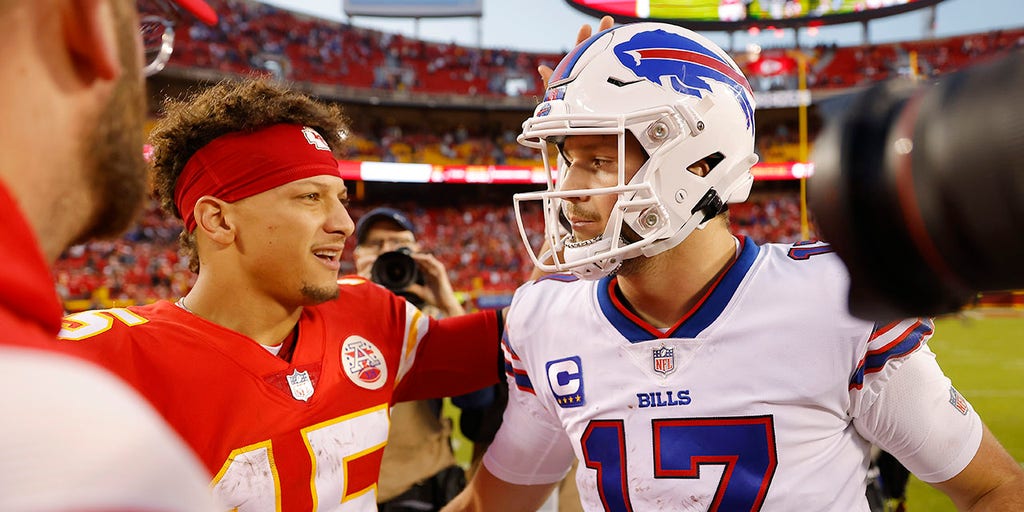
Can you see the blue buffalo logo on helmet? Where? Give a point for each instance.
(672, 60)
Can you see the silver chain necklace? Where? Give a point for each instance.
(181, 304)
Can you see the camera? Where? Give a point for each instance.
(920, 190)
(395, 270)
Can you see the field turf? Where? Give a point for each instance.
(984, 356)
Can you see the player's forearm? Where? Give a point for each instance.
(461, 503)
(993, 481)
(1005, 498)
(488, 493)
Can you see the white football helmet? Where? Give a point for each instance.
(684, 99)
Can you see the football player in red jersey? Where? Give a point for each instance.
(279, 374)
(71, 114)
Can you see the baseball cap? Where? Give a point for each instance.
(199, 9)
(378, 214)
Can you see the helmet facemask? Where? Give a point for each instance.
(663, 202)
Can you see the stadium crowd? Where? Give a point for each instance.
(255, 37)
(406, 143)
(457, 146)
(479, 244)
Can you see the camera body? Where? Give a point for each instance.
(920, 190)
(395, 270)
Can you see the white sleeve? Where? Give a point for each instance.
(76, 438)
(531, 447)
(921, 419)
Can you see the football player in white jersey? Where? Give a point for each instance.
(684, 367)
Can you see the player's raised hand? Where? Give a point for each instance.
(584, 33)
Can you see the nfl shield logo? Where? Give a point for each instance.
(958, 401)
(664, 360)
(301, 386)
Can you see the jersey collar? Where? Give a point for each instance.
(707, 310)
(26, 283)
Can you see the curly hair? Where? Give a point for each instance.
(229, 107)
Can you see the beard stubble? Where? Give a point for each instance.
(113, 148)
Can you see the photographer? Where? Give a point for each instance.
(418, 471)
(386, 231)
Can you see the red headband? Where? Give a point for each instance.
(238, 165)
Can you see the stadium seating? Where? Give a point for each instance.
(257, 38)
(478, 242)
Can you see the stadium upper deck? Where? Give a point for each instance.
(360, 64)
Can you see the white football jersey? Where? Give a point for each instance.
(766, 396)
(77, 438)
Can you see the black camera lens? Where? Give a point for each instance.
(395, 270)
(920, 190)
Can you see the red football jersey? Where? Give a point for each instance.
(301, 435)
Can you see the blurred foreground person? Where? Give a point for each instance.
(276, 372)
(71, 112)
(683, 367)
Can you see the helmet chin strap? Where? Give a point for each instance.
(581, 251)
(710, 205)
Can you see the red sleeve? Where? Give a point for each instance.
(458, 355)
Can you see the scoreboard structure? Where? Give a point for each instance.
(735, 15)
